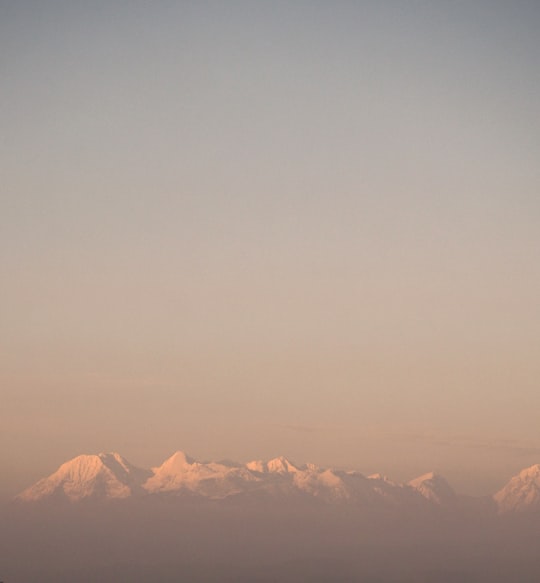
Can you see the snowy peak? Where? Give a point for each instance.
(178, 462)
(171, 473)
(105, 475)
(521, 493)
(434, 488)
(532, 473)
(278, 465)
(257, 466)
(118, 465)
(281, 465)
(429, 477)
(181, 474)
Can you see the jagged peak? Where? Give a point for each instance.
(178, 462)
(281, 464)
(96, 460)
(111, 454)
(433, 487)
(530, 472)
(522, 492)
(85, 462)
(256, 466)
(180, 457)
(428, 477)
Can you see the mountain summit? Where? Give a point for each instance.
(104, 475)
(522, 493)
(434, 488)
(182, 474)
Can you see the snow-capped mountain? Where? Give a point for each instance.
(434, 488)
(180, 473)
(105, 475)
(110, 476)
(521, 493)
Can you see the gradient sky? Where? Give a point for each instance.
(245, 229)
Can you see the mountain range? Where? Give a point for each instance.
(109, 476)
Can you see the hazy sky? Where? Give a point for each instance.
(245, 229)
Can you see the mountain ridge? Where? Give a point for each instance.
(110, 476)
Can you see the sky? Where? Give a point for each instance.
(249, 229)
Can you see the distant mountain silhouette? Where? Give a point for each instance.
(108, 476)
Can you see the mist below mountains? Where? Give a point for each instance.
(98, 518)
